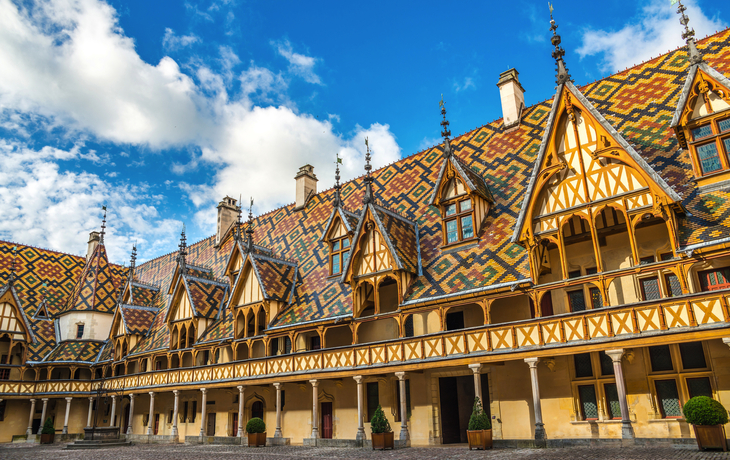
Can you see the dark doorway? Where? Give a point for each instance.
(257, 410)
(546, 305)
(157, 423)
(455, 321)
(36, 425)
(234, 427)
(326, 420)
(125, 426)
(210, 430)
(457, 400)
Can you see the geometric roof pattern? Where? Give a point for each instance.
(96, 289)
(136, 319)
(75, 351)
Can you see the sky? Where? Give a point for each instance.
(157, 110)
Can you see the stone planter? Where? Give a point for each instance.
(479, 439)
(256, 439)
(383, 441)
(47, 438)
(710, 437)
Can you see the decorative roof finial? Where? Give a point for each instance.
(249, 230)
(558, 53)
(446, 132)
(103, 226)
(368, 198)
(133, 261)
(237, 231)
(11, 279)
(695, 57)
(338, 198)
(182, 251)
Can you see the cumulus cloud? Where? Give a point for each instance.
(68, 66)
(299, 64)
(173, 42)
(655, 31)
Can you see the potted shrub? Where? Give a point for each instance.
(707, 417)
(479, 431)
(48, 432)
(382, 434)
(256, 429)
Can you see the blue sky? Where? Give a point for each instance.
(159, 109)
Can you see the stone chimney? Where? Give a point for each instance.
(306, 186)
(512, 95)
(227, 213)
(93, 243)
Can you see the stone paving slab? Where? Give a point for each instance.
(209, 452)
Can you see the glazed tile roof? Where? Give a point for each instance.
(473, 181)
(276, 277)
(75, 351)
(206, 296)
(142, 294)
(97, 288)
(137, 320)
(638, 103)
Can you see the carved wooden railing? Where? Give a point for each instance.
(686, 313)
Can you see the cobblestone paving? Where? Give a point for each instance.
(183, 452)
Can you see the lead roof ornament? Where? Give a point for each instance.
(103, 226)
(249, 230)
(368, 198)
(338, 198)
(445, 132)
(695, 57)
(182, 250)
(563, 75)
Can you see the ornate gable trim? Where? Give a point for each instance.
(473, 181)
(687, 89)
(345, 217)
(8, 293)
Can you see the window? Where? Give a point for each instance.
(613, 406)
(576, 300)
(588, 402)
(458, 221)
(606, 364)
(2, 410)
(397, 400)
(646, 260)
(314, 343)
(668, 398)
(699, 387)
(711, 145)
(373, 398)
(650, 288)
(455, 321)
(79, 331)
(184, 414)
(4, 374)
(583, 366)
(574, 274)
(712, 280)
(693, 355)
(194, 411)
(408, 326)
(596, 297)
(339, 254)
(674, 288)
(661, 358)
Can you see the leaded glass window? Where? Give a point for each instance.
(699, 387)
(612, 403)
(650, 288)
(583, 367)
(693, 355)
(668, 398)
(709, 159)
(452, 234)
(661, 358)
(724, 125)
(674, 288)
(467, 227)
(588, 403)
(577, 300)
(701, 132)
(606, 364)
(596, 298)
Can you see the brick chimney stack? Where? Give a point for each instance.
(306, 186)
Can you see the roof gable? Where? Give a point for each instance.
(12, 316)
(96, 289)
(473, 181)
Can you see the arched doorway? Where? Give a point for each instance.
(257, 410)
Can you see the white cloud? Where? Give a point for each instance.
(69, 67)
(467, 83)
(173, 42)
(299, 64)
(655, 31)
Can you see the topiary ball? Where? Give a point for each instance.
(702, 410)
(255, 425)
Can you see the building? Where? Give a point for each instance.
(569, 263)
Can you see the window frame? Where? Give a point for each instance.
(458, 216)
(80, 331)
(717, 137)
(339, 253)
(599, 382)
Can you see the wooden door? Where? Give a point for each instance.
(210, 431)
(326, 410)
(157, 423)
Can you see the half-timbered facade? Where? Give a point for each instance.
(570, 266)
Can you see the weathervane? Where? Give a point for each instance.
(558, 53)
(133, 260)
(103, 226)
(338, 198)
(182, 250)
(249, 230)
(695, 57)
(368, 198)
(446, 132)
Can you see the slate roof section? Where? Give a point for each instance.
(143, 294)
(137, 319)
(206, 296)
(75, 351)
(96, 289)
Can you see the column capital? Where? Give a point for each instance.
(203, 390)
(67, 399)
(114, 397)
(132, 395)
(240, 388)
(358, 379)
(34, 400)
(532, 362)
(400, 375)
(175, 392)
(45, 400)
(616, 354)
(91, 399)
(726, 341)
(476, 368)
(277, 385)
(152, 394)
(314, 382)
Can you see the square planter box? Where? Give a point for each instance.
(479, 439)
(710, 437)
(383, 441)
(47, 438)
(256, 439)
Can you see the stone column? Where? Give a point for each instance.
(202, 412)
(539, 426)
(65, 419)
(29, 431)
(476, 369)
(360, 427)
(114, 410)
(241, 389)
(43, 414)
(91, 411)
(403, 409)
(277, 433)
(152, 413)
(627, 431)
(131, 413)
(174, 413)
(315, 403)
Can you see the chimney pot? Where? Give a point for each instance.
(306, 184)
(227, 213)
(93, 243)
(512, 95)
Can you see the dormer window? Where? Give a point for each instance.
(458, 221)
(339, 254)
(79, 331)
(710, 145)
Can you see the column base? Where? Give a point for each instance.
(627, 431)
(278, 434)
(360, 434)
(239, 434)
(315, 433)
(65, 430)
(173, 432)
(404, 436)
(540, 432)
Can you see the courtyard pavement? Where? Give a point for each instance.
(185, 452)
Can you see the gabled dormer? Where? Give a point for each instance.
(15, 331)
(338, 235)
(701, 123)
(131, 323)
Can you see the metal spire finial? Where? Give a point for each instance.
(695, 57)
(103, 226)
(249, 230)
(563, 75)
(338, 198)
(11, 279)
(368, 198)
(133, 261)
(237, 231)
(446, 132)
(182, 250)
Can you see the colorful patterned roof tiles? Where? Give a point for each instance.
(143, 295)
(97, 287)
(206, 296)
(137, 320)
(75, 351)
(277, 277)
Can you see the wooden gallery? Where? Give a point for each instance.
(569, 263)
